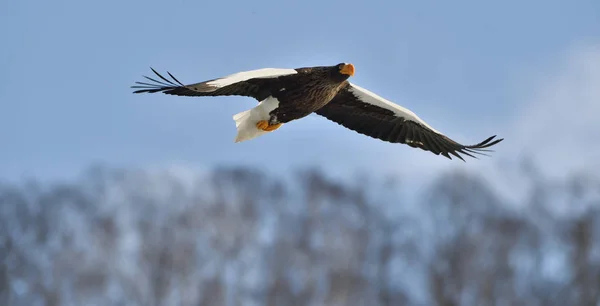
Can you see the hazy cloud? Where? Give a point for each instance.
(559, 123)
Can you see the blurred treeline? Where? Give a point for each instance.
(238, 236)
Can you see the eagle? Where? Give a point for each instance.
(285, 95)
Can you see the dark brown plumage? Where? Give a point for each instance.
(290, 94)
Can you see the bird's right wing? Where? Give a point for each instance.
(251, 83)
(369, 114)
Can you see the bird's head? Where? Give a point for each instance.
(343, 71)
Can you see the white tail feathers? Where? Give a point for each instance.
(245, 121)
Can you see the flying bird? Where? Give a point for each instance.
(285, 95)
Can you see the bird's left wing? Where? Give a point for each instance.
(369, 114)
(253, 83)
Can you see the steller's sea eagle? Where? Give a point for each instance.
(289, 94)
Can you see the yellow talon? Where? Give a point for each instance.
(265, 126)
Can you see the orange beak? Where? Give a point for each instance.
(347, 69)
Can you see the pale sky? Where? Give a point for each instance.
(470, 69)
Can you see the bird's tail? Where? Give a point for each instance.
(246, 121)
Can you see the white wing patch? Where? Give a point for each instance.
(373, 99)
(264, 73)
(245, 122)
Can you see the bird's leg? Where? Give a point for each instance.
(269, 125)
(273, 120)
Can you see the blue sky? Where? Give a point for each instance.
(467, 68)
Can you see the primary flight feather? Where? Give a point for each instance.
(285, 95)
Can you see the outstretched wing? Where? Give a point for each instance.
(369, 114)
(252, 83)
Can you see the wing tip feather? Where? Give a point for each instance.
(157, 86)
(480, 147)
